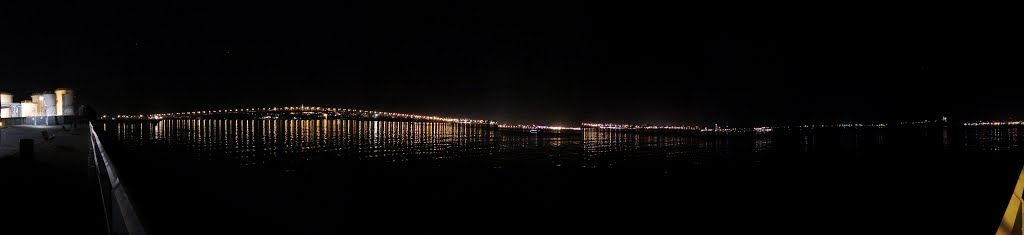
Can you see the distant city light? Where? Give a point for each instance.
(980, 123)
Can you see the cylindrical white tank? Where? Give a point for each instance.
(6, 98)
(49, 104)
(37, 99)
(15, 109)
(65, 102)
(5, 101)
(28, 109)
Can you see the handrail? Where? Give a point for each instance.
(120, 211)
(1013, 210)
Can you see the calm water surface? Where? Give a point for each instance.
(347, 176)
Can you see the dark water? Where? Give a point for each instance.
(345, 176)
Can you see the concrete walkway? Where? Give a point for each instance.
(54, 194)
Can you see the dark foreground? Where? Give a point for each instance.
(913, 181)
(54, 193)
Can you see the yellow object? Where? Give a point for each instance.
(1011, 223)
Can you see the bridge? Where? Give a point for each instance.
(313, 112)
(290, 112)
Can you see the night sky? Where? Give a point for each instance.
(524, 62)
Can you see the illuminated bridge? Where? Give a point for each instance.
(298, 112)
(312, 112)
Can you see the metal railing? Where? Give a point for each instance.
(117, 205)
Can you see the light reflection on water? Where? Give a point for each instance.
(257, 142)
(254, 142)
(993, 139)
